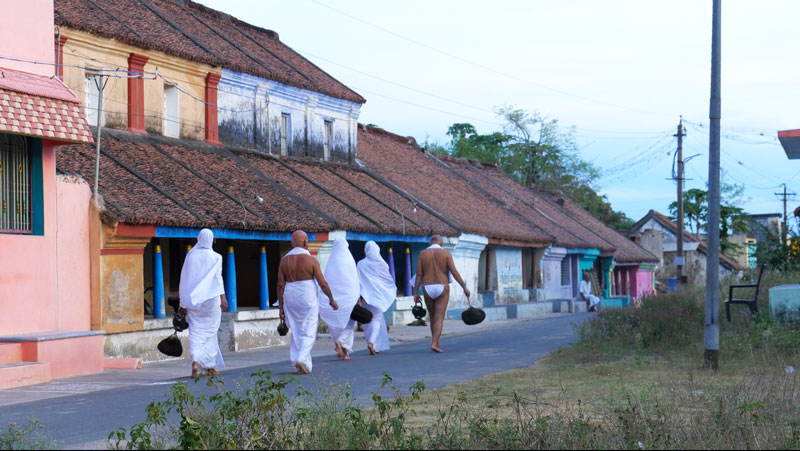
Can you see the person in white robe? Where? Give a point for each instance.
(585, 289)
(299, 279)
(342, 276)
(202, 297)
(378, 290)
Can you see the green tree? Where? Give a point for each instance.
(533, 150)
(694, 209)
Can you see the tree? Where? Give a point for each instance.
(533, 150)
(694, 209)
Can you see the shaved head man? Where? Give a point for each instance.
(434, 267)
(299, 275)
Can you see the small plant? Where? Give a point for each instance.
(28, 436)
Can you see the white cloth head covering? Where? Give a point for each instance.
(201, 276)
(377, 285)
(342, 277)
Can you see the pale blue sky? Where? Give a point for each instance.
(620, 71)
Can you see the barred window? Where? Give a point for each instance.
(565, 271)
(15, 184)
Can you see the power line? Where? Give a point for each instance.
(482, 66)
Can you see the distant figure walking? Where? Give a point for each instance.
(591, 300)
(341, 273)
(378, 290)
(299, 275)
(434, 267)
(202, 296)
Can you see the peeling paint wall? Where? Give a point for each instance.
(251, 110)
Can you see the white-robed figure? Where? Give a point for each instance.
(299, 277)
(378, 291)
(585, 291)
(342, 275)
(202, 296)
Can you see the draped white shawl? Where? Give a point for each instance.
(201, 276)
(342, 277)
(377, 286)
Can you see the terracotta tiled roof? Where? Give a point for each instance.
(194, 32)
(493, 182)
(36, 105)
(164, 181)
(438, 185)
(668, 224)
(571, 216)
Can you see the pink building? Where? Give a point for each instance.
(44, 218)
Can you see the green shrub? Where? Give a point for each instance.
(28, 436)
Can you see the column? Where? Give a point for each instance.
(264, 292)
(408, 291)
(158, 284)
(230, 279)
(632, 273)
(607, 265)
(212, 125)
(390, 262)
(136, 63)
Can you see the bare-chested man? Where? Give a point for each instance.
(434, 267)
(298, 276)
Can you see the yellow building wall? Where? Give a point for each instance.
(86, 50)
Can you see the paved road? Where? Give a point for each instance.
(87, 418)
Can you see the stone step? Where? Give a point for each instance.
(10, 353)
(24, 373)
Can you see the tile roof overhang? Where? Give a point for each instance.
(40, 106)
(790, 140)
(154, 180)
(434, 183)
(194, 32)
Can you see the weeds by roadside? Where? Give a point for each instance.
(30, 435)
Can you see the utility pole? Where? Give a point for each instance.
(785, 198)
(711, 323)
(100, 81)
(679, 254)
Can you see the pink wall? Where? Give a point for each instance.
(74, 292)
(641, 283)
(26, 31)
(28, 282)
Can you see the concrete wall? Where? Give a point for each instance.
(86, 50)
(466, 250)
(26, 32)
(28, 267)
(251, 117)
(509, 276)
(72, 253)
(551, 274)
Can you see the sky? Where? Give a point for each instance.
(621, 72)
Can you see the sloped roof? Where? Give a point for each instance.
(436, 184)
(668, 224)
(567, 231)
(156, 180)
(189, 30)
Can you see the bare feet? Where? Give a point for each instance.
(195, 371)
(339, 351)
(302, 368)
(372, 350)
(213, 372)
(436, 349)
(344, 354)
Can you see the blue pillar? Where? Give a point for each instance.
(158, 284)
(264, 299)
(408, 288)
(230, 280)
(390, 262)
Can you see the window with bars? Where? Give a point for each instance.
(327, 138)
(565, 271)
(15, 185)
(286, 130)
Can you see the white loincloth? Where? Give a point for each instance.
(434, 290)
(301, 309)
(204, 320)
(586, 290)
(375, 331)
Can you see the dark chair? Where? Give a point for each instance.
(751, 303)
